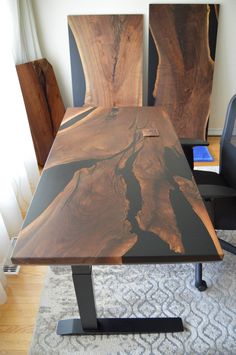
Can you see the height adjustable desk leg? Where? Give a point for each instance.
(83, 284)
(89, 324)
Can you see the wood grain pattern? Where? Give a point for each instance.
(43, 103)
(110, 48)
(184, 73)
(109, 195)
(18, 315)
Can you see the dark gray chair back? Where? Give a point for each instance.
(228, 145)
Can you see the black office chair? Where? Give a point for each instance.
(219, 190)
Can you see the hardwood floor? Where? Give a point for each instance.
(18, 315)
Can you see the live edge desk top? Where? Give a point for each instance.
(116, 189)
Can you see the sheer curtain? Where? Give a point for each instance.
(25, 39)
(19, 171)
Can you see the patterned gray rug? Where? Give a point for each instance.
(145, 291)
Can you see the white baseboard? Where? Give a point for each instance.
(215, 131)
(214, 168)
(8, 267)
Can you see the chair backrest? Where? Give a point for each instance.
(228, 145)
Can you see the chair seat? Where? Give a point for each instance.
(209, 178)
(222, 209)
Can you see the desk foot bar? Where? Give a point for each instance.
(121, 326)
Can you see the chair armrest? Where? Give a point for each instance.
(211, 192)
(191, 142)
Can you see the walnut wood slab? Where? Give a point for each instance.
(43, 102)
(111, 51)
(184, 72)
(116, 189)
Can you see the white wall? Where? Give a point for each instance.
(224, 82)
(51, 21)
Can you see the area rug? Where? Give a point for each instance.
(145, 291)
(202, 154)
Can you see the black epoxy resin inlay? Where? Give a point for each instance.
(55, 179)
(149, 244)
(76, 119)
(194, 233)
(52, 182)
(77, 72)
(152, 68)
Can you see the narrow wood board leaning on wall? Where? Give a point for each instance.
(182, 41)
(43, 102)
(106, 59)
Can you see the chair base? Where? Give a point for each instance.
(227, 246)
(200, 284)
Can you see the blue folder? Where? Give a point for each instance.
(201, 154)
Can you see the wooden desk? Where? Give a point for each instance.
(116, 189)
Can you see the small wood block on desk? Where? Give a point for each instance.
(150, 132)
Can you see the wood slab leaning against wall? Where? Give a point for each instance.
(181, 62)
(106, 59)
(43, 102)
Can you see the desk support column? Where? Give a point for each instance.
(83, 284)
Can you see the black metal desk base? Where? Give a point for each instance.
(89, 324)
(121, 326)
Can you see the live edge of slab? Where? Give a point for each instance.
(111, 194)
